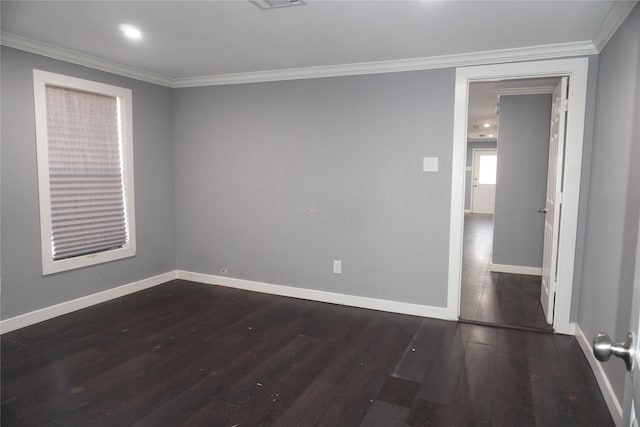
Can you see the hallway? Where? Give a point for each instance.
(498, 298)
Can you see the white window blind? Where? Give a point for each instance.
(84, 139)
(85, 173)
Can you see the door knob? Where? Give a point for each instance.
(545, 210)
(603, 348)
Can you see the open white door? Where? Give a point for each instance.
(629, 351)
(483, 196)
(552, 209)
(631, 405)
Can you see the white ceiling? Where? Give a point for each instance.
(482, 109)
(184, 39)
(191, 43)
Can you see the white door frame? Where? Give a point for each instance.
(577, 70)
(474, 168)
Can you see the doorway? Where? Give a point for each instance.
(495, 298)
(576, 70)
(501, 282)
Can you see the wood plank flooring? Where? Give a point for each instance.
(504, 299)
(196, 355)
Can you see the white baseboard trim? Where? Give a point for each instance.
(603, 381)
(467, 211)
(321, 296)
(568, 329)
(516, 269)
(66, 307)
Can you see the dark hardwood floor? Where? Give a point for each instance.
(504, 299)
(196, 355)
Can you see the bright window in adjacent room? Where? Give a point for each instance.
(85, 171)
(487, 173)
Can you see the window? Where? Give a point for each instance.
(85, 171)
(488, 163)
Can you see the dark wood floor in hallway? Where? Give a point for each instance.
(196, 355)
(497, 298)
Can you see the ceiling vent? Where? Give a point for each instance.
(276, 4)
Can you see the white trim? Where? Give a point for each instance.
(577, 70)
(516, 269)
(569, 329)
(393, 66)
(467, 211)
(614, 19)
(530, 53)
(533, 90)
(316, 295)
(603, 381)
(66, 307)
(124, 96)
(79, 58)
(458, 175)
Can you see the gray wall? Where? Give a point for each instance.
(469, 174)
(343, 169)
(613, 205)
(585, 178)
(24, 289)
(275, 180)
(521, 183)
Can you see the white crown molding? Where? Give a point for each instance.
(79, 58)
(532, 90)
(393, 66)
(616, 16)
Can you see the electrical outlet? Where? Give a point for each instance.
(337, 267)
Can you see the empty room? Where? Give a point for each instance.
(319, 213)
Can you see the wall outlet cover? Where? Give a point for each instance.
(430, 164)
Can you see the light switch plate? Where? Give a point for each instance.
(430, 164)
(337, 267)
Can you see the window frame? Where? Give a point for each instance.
(40, 80)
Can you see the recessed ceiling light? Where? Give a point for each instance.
(486, 125)
(491, 136)
(130, 32)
